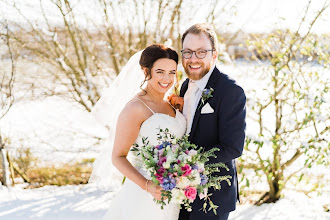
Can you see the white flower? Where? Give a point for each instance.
(192, 153)
(200, 167)
(156, 158)
(196, 178)
(146, 155)
(183, 157)
(151, 170)
(178, 196)
(183, 182)
(167, 164)
(170, 156)
(176, 167)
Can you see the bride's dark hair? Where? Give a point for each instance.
(153, 53)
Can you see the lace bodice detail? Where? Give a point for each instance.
(150, 129)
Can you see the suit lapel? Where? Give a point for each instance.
(184, 87)
(210, 84)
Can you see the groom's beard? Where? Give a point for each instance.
(197, 75)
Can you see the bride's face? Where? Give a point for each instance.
(162, 75)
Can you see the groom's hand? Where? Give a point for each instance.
(176, 101)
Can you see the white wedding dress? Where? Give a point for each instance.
(132, 202)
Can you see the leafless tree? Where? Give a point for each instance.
(6, 95)
(290, 109)
(7, 72)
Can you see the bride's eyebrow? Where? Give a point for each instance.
(164, 70)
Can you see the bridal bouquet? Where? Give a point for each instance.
(178, 166)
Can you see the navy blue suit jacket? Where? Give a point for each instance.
(224, 129)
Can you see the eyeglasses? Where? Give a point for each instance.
(200, 54)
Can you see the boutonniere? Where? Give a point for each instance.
(206, 94)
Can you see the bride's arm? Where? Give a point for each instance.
(128, 127)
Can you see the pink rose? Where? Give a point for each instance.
(186, 170)
(190, 193)
(160, 178)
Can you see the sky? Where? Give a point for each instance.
(251, 15)
(263, 15)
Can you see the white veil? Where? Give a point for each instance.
(106, 111)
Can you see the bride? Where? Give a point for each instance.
(138, 115)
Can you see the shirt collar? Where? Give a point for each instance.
(201, 83)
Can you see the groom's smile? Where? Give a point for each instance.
(197, 66)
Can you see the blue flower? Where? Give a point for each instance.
(160, 146)
(204, 179)
(206, 94)
(165, 143)
(168, 183)
(194, 167)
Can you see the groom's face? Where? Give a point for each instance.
(195, 67)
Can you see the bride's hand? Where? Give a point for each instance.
(155, 190)
(176, 101)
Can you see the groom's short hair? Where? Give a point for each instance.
(203, 28)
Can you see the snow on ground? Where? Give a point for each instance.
(59, 131)
(51, 202)
(86, 202)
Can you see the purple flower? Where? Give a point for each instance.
(194, 167)
(204, 179)
(175, 147)
(161, 161)
(168, 183)
(161, 171)
(160, 152)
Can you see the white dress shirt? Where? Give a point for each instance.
(194, 99)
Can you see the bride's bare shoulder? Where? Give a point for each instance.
(135, 109)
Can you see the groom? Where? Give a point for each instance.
(214, 106)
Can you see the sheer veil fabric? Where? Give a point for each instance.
(106, 112)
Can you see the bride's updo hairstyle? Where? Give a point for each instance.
(153, 53)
